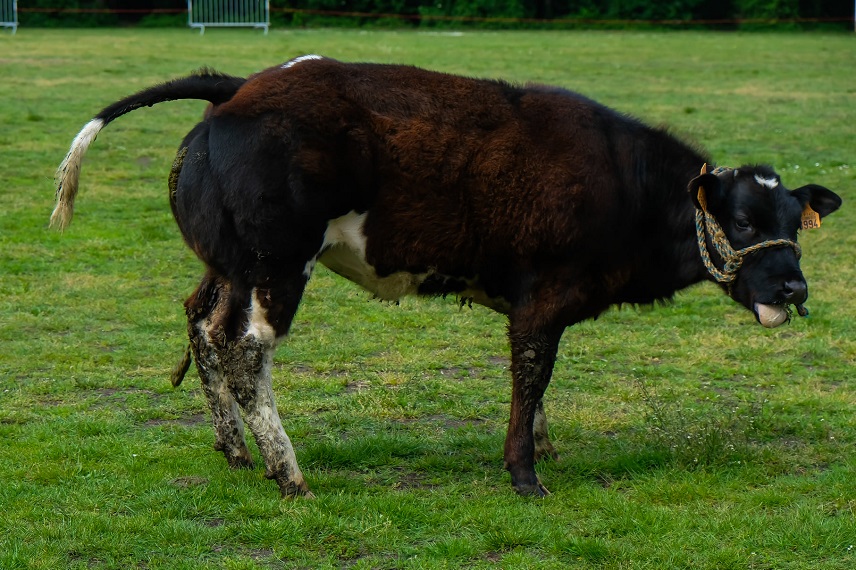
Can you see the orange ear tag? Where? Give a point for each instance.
(810, 219)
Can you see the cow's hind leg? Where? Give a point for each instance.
(206, 310)
(247, 364)
(543, 446)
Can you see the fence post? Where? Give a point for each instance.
(9, 14)
(228, 13)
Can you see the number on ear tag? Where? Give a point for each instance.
(810, 219)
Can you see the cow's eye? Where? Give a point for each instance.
(742, 225)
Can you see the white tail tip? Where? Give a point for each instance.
(68, 174)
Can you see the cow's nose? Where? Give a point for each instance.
(795, 291)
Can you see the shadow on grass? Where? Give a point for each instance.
(433, 451)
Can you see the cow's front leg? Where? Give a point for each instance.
(533, 354)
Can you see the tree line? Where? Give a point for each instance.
(463, 13)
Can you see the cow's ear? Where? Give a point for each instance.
(822, 200)
(706, 191)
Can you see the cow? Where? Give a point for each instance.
(531, 200)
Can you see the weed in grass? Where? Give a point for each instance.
(702, 436)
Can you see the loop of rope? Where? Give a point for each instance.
(706, 225)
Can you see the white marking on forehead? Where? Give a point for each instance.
(296, 60)
(766, 182)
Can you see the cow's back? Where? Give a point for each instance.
(461, 177)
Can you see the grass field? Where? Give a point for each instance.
(690, 437)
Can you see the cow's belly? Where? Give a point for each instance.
(344, 252)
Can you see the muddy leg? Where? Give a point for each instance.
(228, 427)
(247, 364)
(204, 310)
(533, 354)
(543, 446)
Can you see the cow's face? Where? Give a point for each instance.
(753, 207)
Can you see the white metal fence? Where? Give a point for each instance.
(228, 13)
(9, 14)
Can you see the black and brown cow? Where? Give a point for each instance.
(534, 201)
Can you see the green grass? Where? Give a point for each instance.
(690, 437)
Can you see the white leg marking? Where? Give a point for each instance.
(265, 423)
(258, 326)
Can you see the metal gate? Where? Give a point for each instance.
(228, 13)
(9, 14)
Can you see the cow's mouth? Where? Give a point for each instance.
(772, 316)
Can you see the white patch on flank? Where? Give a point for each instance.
(68, 173)
(296, 60)
(259, 326)
(766, 182)
(344, 252)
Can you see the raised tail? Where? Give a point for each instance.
(205, 85)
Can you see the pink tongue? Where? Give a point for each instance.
(771, 316)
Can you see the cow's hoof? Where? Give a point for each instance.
(240, 459)
(546, 452)
(531, 489)
(241, 463)
(293, 490)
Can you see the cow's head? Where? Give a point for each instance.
(757, 262)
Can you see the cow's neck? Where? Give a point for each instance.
(672, 261)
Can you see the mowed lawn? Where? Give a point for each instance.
(690, 437)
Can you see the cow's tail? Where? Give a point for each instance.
(205, 85)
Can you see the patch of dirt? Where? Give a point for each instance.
(357, 386)
(446, 422)
(502, 361)
(258, 554)
(120, 395)
(460, 373)
(408, 480)
(187, 421)
(188, 482)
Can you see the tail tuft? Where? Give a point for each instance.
(68, 174)
(206, 85)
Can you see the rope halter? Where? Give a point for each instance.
(707, 226)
